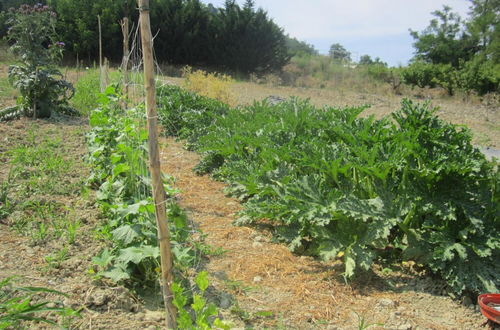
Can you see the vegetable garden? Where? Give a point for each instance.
(335, 184)
(330, 182)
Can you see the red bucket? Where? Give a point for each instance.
(487, 302)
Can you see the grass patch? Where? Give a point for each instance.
(87, 89)
(38, 173)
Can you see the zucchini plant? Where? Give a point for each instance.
(337, 185)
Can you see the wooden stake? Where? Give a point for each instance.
(159, 195)
(126, 54)
(100, 53)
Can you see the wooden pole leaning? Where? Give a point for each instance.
(126, 54)
(159, 195)
(101, 80)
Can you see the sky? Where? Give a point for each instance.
(378, 28)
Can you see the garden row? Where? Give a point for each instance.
(118, 156)
(336, 185)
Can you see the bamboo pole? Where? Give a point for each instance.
(126, 54)
(159, 195)
(100, 54)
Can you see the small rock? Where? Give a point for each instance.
(467, 302)
(258, 239)
(257, 279)
(385, 303)
(406, 326)
(154, 316)
(256, 244)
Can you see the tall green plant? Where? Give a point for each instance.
(34, 41)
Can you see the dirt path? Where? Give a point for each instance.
(272, 287)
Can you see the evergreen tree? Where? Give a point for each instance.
(299, 48)
(247, 40)
(484, 24)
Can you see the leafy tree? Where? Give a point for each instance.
(339, 53)
(444, 40)
(367, 60)
(298, 48)
(77, 25)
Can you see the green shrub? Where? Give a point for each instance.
(481, 76)
(420, 74)
(447, 77)
(478, 75)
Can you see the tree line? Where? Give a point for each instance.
(230, 38)
(456, 53)
(452, 52)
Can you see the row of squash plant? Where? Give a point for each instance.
(336, 184)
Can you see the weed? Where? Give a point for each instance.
(237, 286)
(87, 89)
(55, 260)
(71, 230)
(6, 206)
(17, 306)
(363, 324)
(209, 84)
